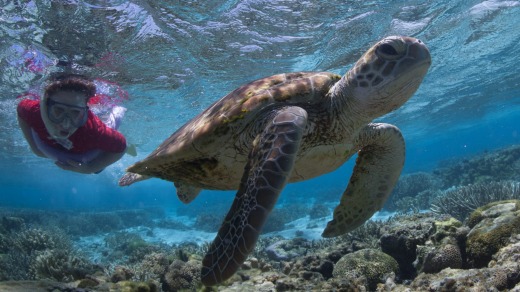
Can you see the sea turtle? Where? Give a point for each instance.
(288, 128)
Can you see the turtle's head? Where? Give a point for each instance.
(387, 75)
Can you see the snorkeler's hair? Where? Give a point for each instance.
(71, 82)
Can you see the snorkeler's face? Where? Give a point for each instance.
(66, 111)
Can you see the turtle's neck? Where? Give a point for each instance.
(347, 110)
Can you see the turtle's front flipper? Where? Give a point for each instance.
(270, 163)
(377, 170)
(130, 178)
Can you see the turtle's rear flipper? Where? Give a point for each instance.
(270, 163)
(377, 170)
(186, 192)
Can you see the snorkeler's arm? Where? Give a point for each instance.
(96, 165)
(26, 130)
(104, 160)
(111, 146)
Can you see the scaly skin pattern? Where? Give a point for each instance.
(265, 175)
(287, 128)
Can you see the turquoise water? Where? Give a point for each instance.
(175, 59)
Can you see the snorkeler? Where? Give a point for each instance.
(61, 127)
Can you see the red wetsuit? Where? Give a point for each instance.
(94, 135)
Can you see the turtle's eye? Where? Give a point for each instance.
(387, 49)
(391, 48)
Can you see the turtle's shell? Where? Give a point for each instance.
(216, 142)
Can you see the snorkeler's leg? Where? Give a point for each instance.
(115, 117)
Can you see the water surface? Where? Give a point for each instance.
(175, 58)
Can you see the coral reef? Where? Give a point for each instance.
(433, 259)
(280, 251)
(311, 264)
(182, 275)
(37, 239)
(128, 286)
(456, 280)
(319, 211)
(371, 266)
(209, 222)
(151, 268)
(368, 234)
(219, 207)
(461, 201)
(88, 223)
(503, 274)
(48, 285)
(286, 249)
(413, 192)
(444, 248)
(401, 237)
(353, 262)
(61, 265)
(36, 253)
(499, 165)
(414, 252)
(121, 273)
(171, 224)
(281, 216)
(495, 224)
(130, 246)
(11, 224)
(82, 223)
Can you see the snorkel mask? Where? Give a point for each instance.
(62, 120)
(58, 112)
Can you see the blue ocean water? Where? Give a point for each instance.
(175, 58)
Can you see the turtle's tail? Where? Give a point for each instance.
(130, 178)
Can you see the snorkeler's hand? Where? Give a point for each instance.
(74, 166)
